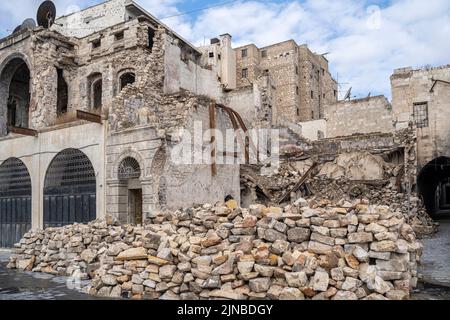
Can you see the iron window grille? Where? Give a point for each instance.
(129, 169)
(421, 115)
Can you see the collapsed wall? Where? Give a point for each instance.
(304, 251)
(380, 167)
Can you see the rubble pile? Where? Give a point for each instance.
(379, 193)
(315, 250)
(318, 187)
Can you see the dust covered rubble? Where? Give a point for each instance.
(303, 251)
(268, 187)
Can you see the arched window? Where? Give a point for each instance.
(126, 79)
(129, 168)
(95, 83)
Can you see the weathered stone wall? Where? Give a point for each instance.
(414, 86)
(368, 115)
(317, 86)
(254, 104)
(250, 62)
(151, 138)
(188, 74)
(282, 62)
(43, 52)
(296, 72)
(314, 130)
(93, 19)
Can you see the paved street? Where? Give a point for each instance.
(435, 268)
(33, 286)
(435, 263)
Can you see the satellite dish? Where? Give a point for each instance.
(46, 14)
(348, 94)
(29, 24)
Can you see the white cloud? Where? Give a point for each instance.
(365, 45)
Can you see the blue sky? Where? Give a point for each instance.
(366, 40)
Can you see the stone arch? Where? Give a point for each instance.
(433, 185)
(129, 153)
(15, 81)
(69, 189)
(15, 201)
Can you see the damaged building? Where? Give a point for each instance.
(92, 105)
(90, 113)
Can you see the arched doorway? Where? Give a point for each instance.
(69, 190)
(434, 186)
(15, 202)
(129, 173)
(14, 95)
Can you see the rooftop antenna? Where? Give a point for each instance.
(46, 14)
(348, 95)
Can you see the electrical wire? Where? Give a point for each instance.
(198, 10)
(162, 18)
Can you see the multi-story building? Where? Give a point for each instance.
(90, 116)
(423, 97)
(302, 83)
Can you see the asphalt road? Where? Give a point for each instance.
(435, 268)
(16, 285)
(435, 262)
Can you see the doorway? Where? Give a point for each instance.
(129, 173)
(135, 206)
(434, 186)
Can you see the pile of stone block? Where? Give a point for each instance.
(303, 251)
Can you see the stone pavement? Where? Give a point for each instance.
(435, 262)
(16, 285)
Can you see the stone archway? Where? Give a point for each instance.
(129, 173)
(434, 186)
(15, 96)
(15, 202)
(69, 190)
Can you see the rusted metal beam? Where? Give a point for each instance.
(236, 126)
(23, 131)
(88, 116)
(435, 81)
(212, 126)
(298, 184)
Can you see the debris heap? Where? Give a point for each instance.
(303, 251)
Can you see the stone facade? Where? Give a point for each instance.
(301, 79)
(136, 75)
(368, 115)
(418, 88)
